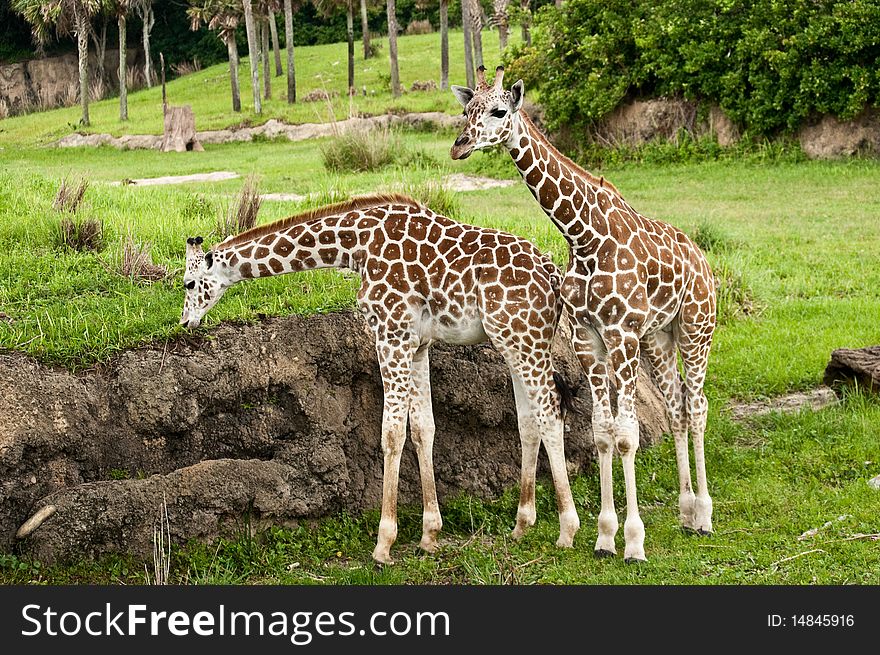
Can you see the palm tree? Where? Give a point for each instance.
(67, 17)
(273, 6)
(365, 29)
(327, 8)
(264, 52)
(468, 43)
(253, 50)
(526, 21)
(223, 16)
(122, 7)
(444, 44)
(502, 20)
(144, 10)
(288, 41)
(476, 13)
(391, 12)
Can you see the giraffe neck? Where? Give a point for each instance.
(575, 200)
(328, 242)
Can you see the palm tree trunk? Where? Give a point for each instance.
(477, 19)
(468, 55)
(232, 49)
(502, 20)
(264, 51)
(349, 26)
(365, 30)
(391, 12)
(148, 18)
(253, 54)
(273, 27)
(288, 40)
(526, 22)
(444, 44)
(82, 46)
(123, 88)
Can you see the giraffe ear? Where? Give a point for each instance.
(463, 94)
(517, 94)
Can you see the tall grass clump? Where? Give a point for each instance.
(436, 197)
(137, 262)
(360, 151)
(73, 231)
(241, 215)
(734, 296)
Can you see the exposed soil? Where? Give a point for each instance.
(464, 182)
(216, 176)
(279, 421)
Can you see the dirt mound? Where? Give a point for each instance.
(279, 421)
(642, 121)
(830, 138)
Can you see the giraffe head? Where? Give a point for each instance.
(490, 112)
(203, 283)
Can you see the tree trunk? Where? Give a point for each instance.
(273, 27)
(253, 54)
(559, 4)
(526, 22)
(288, 40)
(82, 46)
(123, 82)
(477, 19)
(149, 20)
(232, 49)
(264, 51)
(392, 47)
(349, 26)
(365, 29)
(468, 55)
(502, 20)
(444, 44)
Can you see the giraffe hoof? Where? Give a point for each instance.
(601, 553)
(704, 532)
(635, 560)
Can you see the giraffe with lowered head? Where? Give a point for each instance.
(425, 278)
(633, 284)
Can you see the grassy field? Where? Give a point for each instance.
(796, 244)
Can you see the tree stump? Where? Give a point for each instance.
(180, 130)
(860, 366)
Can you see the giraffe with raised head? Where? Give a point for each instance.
(425, 278)
(633, 285)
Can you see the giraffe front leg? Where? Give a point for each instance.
(623, 354)
(591, 354)
(395, 363)
(421, 420)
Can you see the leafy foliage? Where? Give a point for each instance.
(769, 64)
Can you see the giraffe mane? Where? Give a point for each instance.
(600, 182)
(357, 203)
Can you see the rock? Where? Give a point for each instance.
(860, 366)
(280, 420)
(830, 138)
(724, 129)
(874, 483)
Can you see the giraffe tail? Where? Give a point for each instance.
(567, 394)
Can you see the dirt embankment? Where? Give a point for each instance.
(279, 421)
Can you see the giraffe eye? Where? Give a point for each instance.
(499, 113)
(189, 285)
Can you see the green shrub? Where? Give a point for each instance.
(769, 64)
(436, 197)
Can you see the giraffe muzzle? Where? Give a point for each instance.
(462, 147)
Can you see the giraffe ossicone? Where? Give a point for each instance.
(633, 285)
(425, 278)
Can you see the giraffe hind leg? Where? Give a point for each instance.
(661, 350)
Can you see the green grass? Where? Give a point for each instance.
(317, 67)
(799, 238)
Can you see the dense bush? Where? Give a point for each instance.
(769, 64)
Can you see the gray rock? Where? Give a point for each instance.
(850, 366)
